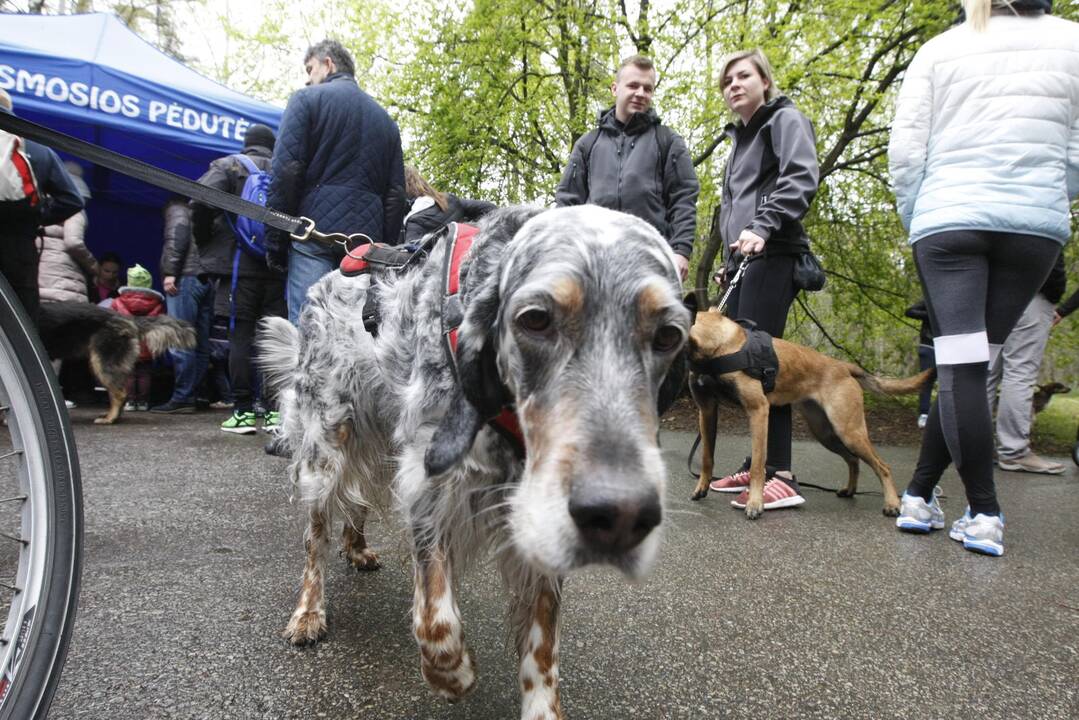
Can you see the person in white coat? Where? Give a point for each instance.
(984, 158)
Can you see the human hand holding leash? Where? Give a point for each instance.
(748, 243)
(682, 263)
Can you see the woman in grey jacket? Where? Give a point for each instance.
(768, 184)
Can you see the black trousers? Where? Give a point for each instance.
(764, 296)
(18, 264)
(977, 285)
(252, 300)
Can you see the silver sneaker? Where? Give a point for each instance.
(918, 516)
(981, 534)
(1031, 463)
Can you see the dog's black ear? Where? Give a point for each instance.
(673, 383)
(454, 437)
(691, 302)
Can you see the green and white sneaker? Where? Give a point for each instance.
(241, 423)
(271, 422)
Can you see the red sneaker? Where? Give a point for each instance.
(735, 482)
(777, 494)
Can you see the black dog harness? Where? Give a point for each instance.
(757, 358)
(458, 236)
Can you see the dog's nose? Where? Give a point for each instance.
(612, 520)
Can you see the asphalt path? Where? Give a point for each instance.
(194, 553)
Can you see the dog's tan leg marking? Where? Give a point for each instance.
(308, 622)
(537, 649)
(707, 417)
(445, 661)
(354, 543)
(117, 397)
(756, 407)
(846, 411)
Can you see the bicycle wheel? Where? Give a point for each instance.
(40, 520)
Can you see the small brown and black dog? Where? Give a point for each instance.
(826, 391)
(110, 341)
(1045, 393)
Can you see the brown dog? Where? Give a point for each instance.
(826, 391)
(1045, 393)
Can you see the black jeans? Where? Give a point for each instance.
(977, 285)
(252, 300)
(764, 296)
(18, 264)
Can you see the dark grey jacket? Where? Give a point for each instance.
(179, 256)
(770, 178)
(623, 172)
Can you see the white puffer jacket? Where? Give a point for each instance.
(64, 258)
(986, 132)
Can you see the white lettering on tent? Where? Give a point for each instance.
(27, 83)
(79, 96)
(58, 89)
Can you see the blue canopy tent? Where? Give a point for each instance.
(91, 77)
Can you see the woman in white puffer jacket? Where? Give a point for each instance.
(64, 260)
(984, 158)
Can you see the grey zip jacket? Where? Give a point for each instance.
(770, 178)
(623, 172)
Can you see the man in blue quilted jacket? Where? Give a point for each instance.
(338, 162)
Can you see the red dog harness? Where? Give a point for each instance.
(458, 237)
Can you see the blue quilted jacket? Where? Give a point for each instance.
(338, 161)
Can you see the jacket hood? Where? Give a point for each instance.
(140, 294)
(638, 122)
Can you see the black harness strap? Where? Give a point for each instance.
(757, 358)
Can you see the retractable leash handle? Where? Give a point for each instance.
(300, 229)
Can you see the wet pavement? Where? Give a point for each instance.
(194, 553)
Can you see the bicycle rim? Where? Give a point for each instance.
(40, 521)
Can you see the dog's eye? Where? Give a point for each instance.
(667, 338)
(534, 320)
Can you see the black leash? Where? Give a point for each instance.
(299, 228)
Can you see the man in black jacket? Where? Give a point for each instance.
(635, 164)
(60, 199)
(256, 290)
(338, 162)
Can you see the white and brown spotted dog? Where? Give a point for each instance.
(573, 317)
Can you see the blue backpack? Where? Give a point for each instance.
(251, 234)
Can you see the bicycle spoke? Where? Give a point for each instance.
(10, 454)
(16, 539)
(17, 498)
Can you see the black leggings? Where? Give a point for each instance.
(977, 285)
(253, 299)
(764, 296)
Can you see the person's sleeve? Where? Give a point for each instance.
(395, 201)
(75, 243)
(291, 156)
(795, 149)
(680, 192)
(573, 188)
(177, 240)
(62, 198)
(202, 216)
(1067, 307)
(909, 141)
(918, 311)
(1073, 160)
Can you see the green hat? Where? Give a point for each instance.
(138, 276)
